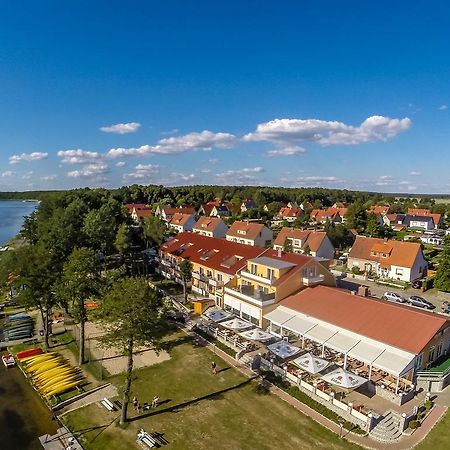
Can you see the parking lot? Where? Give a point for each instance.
(377, 290)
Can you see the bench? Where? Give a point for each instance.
(146, 438)
(108, 404)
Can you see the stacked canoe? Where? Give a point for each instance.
(52, 374)
(20, 326)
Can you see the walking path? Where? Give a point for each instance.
(405, 443)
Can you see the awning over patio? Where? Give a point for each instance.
(320, 333)
(256, 335)
(311, 363)
(217, 315)
(394, 363)
(236, 324)
(278, 316)
(299, 325)
(341, 342)
(283, 349)
(343, 379)
(365, 352)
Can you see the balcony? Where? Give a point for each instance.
(258, 278)
(311, 281)
(166, 263)
(251, 295)
(215, 283)
(200, 276)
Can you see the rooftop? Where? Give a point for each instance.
(271, 262)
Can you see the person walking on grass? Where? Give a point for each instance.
(214, 367)
(135, 403)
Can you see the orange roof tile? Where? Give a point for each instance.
(180, 219)
(247, 230)
(207, 223)
(314, 239)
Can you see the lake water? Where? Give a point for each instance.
(11, 217)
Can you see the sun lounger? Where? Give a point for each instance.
(146, 438)
(108, 404)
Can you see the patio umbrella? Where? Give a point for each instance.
(311, 363)
(256, 335)
(343, 379)
(216, 315)
(236, 324)
(283, 349)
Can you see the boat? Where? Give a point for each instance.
(8, 360)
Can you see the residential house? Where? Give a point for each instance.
(388, 258)
(289, 214)
(246, 205)
(422, 222)
(182, 222)
(401, 221)
(268, 279)
(335, 215)
(138, 211)
(215, 261)
(380, 210)
(437, 218)
(393, 342)
(432, 239)
(166, 212)
(317, 242)
(304, 205)
(211, 227)
(250, 233)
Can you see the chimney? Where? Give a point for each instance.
(280, 253)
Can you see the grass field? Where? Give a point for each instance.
(439, 438)
(200, 410)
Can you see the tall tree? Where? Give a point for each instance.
(80, 282)
(372, 226)
(123, 240)
(100, 228)
(287, 246)
(186, 275)
(132, 315)
(154, 230)
(442, 279)
(356, 216)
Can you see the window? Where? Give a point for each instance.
(297, 243)
(253, 268)
(419, 360)
(431, 354)
(398, 271)
(270, 273)
(254, 320)
(245, 316)
(219, 277)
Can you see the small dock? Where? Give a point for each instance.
(62, 440)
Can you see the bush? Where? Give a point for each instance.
(295, 392)
(419, 416)
(356, 270)
(428, 405)
(414, 424)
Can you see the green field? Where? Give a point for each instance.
(202, 411)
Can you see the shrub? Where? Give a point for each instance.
(428, 405)
(356, 270)
(419, 416)
(413, 424)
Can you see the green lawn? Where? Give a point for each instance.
(440, 365)
(439, 438)
(202, 411)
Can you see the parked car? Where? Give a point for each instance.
(417, 284)
(394, 297)
(415, 300)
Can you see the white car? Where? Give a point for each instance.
(394, 297)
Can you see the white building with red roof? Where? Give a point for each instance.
(250, 233)
(211, 227)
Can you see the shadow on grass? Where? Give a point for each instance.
(218, 395)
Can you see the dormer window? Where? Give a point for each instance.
(242, 232)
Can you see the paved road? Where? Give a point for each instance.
(377, 290)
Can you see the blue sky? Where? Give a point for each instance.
(292, 93)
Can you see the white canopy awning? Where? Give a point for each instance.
(257, 335)
(341, 342)
(394, 363)
(311, 363)
(236, 324)
(216, 315)
(365, 352)
(298, 325)
(320, 333)
(283, 349)
(278, 316)
(343, 378)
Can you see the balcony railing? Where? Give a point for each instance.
(251, 295)
(258, 277)
(310, 281)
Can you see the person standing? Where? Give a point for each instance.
(214, 367)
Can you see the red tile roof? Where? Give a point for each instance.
(180, 219)
(399, 253)
(137, 206)
(425, 213)
(400, 326)
(217, 254)
(313, 239)
(290, 212)
(379, 210)
(320, 215)
(208, 223)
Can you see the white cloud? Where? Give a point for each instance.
(89, 171)
(292, 131)
(121, 164)
(443, 108)
(286, 151)
(49, 177)
(27, 176)
(35, 156)
(244, 175)
(122, 128)
(414, 173)
(8, 173)
(205, 171)
(142, 171)
(168, 132)
(404, 183)
(203, 141)
(386, 177)
(79, 156)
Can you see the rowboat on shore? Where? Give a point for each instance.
(8, 360)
